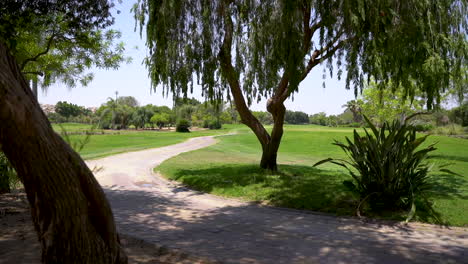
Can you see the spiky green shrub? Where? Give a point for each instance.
(387, 165)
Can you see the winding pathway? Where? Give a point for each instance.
(159, 211)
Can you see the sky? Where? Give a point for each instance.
(132, 80)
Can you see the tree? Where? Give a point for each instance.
(128, 100)
(381, 105)
(296, 117)
(45, 49)
(318, 119)
(266, 48)
(68, 110)
(355, 106)
(69, 209)
(160, 119)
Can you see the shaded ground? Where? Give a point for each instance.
(19, 244)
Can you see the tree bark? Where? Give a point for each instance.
(70, 212)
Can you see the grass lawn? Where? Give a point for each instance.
(231, 169)
(119, 141)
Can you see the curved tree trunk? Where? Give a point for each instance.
(71, 215)
(276, 107)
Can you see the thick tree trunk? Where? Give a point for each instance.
(71, 215)
(270, 150)
(270, 144)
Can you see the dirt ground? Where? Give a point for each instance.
(19, 244)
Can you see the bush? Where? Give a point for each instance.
(183, 126)
(386, 166)
(56, 118)
(421, 126)
(355, 124)
(449, 130)
(214, 124)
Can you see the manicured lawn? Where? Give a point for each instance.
(114, 142)
(230, 169)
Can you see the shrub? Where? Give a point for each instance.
(449, 130)
(421, 126)
(386, 166)
(214, 124)
(56, 118)
(183, 126)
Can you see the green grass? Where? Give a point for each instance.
(114, 142)
(230, 169)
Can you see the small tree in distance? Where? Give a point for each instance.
(263, 49)
(160, 119)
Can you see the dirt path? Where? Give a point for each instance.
(158, 211)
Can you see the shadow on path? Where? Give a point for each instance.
(253, 234)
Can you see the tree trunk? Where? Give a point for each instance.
(275, 106)
(270, 150)
(71, 215)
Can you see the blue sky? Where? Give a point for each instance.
(132, 80)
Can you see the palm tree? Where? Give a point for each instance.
(355, 107)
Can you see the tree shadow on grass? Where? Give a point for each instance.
(294, 186)
(449, 186)
(308, 188)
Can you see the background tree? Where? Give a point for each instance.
(381, 105)
(69, 210)
(47, 53)
(160, 119)
(128, 100)
(68, 110)
(355, 107)
(296, 117)
(266, 48)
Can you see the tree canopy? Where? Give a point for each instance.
(259, 49)
(403, 41)
(56, 41)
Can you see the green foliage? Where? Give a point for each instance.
(183, 125)
(68, 110)
(115, 114)
(60, 41)
(387, 165)
(385, 105)
(8, 177)
(214, 124)
(404, 41)
(160, 119)
(422, 126)
(56, 118)
(459, 114)
(318, 119)
(128, 100)
(448, 130)
(296, 117)
(264, 117)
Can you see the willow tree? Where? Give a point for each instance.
(70, 212)
(251, 49)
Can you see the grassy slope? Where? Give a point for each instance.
(230, 168)
(113, 142)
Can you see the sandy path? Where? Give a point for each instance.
(153, 209)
